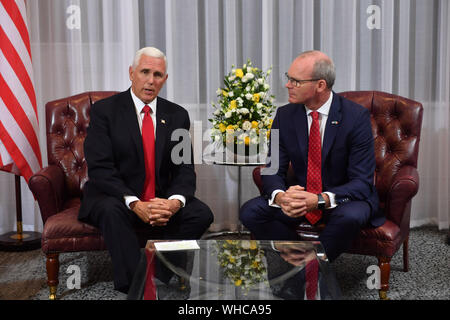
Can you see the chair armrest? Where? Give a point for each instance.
(47, 186)
(404, 186)
(257, 178)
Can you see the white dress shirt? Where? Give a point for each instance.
(323, 111)
(139, 105)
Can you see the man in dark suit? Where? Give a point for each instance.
(135, 182)
(334, 167)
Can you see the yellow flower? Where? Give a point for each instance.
(233, 104)
(238, 282)
(222, 127)
(231, 128)
(270, 125)
(254, 124)
(256, 97)
(253, 245)
(247, 141)
(224, 93)
(232, 259)
(255, 264)
(239, 73)
(268, 134)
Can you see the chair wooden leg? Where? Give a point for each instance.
(385, 270)
(52, 273)
(405, 255)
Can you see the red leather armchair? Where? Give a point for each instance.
(58, 187)
(396, 127)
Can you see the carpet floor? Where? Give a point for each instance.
(23, 274)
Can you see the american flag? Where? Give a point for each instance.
(19, 127)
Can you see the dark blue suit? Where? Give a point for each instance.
(348, 165)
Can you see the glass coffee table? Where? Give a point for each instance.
(233, 270)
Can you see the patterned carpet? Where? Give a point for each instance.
(23, 274)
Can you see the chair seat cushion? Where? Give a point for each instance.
(382, 241)
(63, 232)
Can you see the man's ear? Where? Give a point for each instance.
(130, 72)
(322, 85)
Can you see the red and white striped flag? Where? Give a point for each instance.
(19, 127)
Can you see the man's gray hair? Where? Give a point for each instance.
(149, 52)
(323, 69)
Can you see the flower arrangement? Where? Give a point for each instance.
(242, 262)
(244, 108)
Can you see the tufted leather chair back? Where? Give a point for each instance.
(67, 120)
(396, 126)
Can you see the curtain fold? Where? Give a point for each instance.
(408, 55)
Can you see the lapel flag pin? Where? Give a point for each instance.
(163, 121)
(334, 122)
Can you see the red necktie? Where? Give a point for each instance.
(148, 140)
(312, 275)
(150, 286)
(314, 176)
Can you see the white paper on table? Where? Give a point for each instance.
(176, 245)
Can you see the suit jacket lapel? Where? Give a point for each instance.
(301, 127)
(131, 122)
(332, 126)
(162, 130)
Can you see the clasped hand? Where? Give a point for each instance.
(297, 254)
(157, 211)
(296, 202)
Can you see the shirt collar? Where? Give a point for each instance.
(324, 109)
(139, 104)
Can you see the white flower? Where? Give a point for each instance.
(244, 111)
(249, 96)
(245, 244)
(260, 81)
(262, 95)
(228, 114)
(245, 79)
(240, 101)
(249, 75)
(231, 94)
(248, 88)
(246, 125)
(231, 78)
(259, 105)
(217, 112)
(219, 91)
(266, 86)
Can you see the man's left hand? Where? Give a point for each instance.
(298, 194)
(162, 210)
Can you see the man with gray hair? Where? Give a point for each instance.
(327, 141)
(134, 183)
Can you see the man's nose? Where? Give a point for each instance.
(150, 78)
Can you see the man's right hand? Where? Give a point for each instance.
(150, 214)
(292, 202)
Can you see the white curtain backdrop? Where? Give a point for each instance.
(397, 46)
